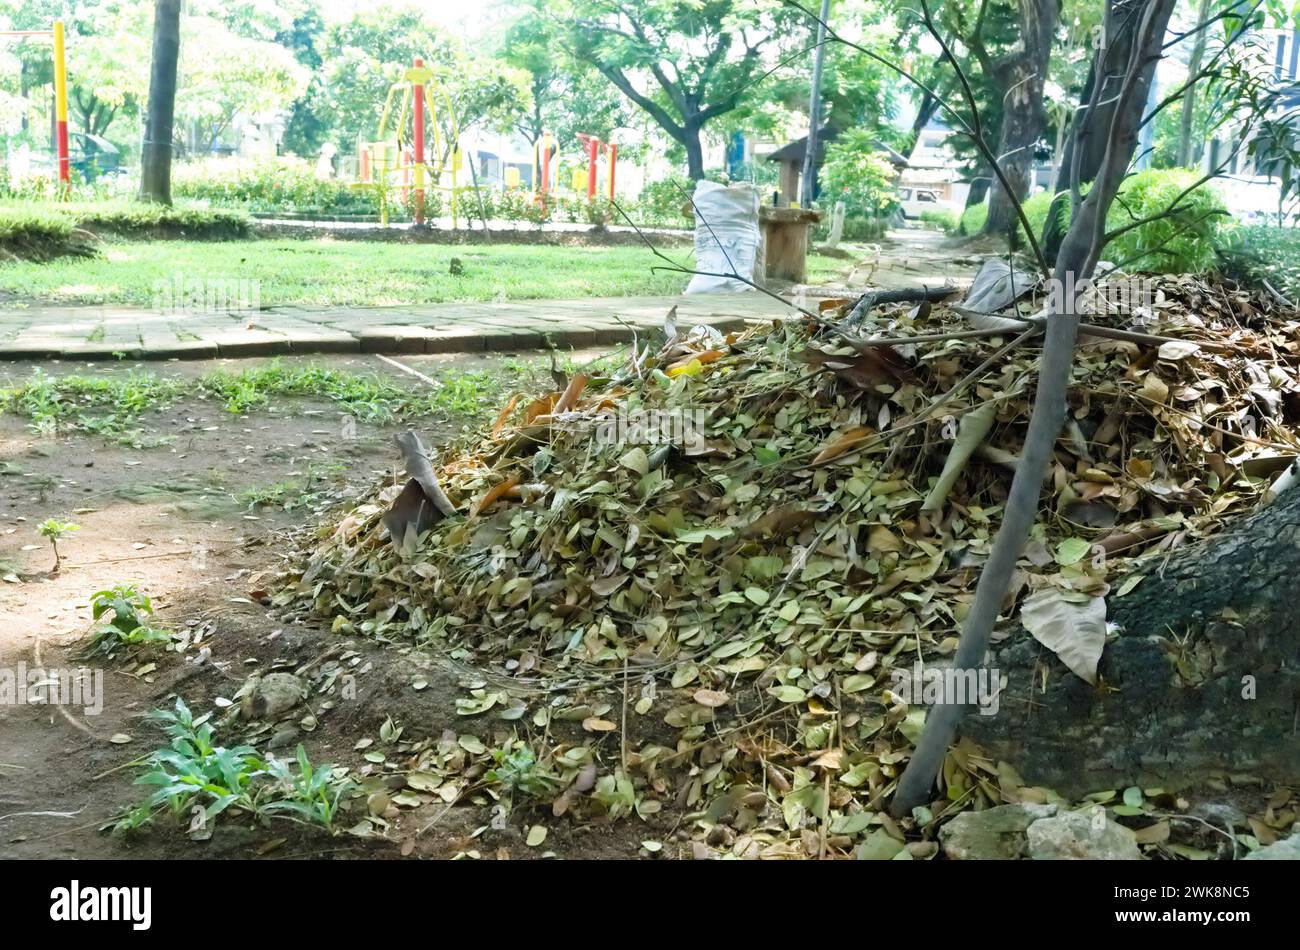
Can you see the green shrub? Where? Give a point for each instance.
(1263, 252)
(1183, 242)
(943, 220)
(37, 232)
(290, 186)
(660, 203)
(283, 185)
(858, 173)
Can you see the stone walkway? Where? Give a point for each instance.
(111, 332)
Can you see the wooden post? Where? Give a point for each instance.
(785, 242)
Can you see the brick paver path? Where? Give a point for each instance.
(109, 332)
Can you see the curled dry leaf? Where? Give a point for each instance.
(843, 443)
(1072, 625)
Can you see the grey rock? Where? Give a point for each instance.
(283, 738)
(271, 695)
(1081, 835)
(1288, 849)
(1220, 814)
(996, 834)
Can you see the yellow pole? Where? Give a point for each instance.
(61, 103)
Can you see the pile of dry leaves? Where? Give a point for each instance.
(692, 585)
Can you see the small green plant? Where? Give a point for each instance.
(193, 772)
(943, 220)
(312, 793)
(108, 406)
(55, 531)
(193, 769)
(293, 493)
(517, 769)
(129, 626)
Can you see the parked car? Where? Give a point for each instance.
(916, 201)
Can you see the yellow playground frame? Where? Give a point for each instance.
(383, 164)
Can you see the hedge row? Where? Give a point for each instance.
(1184, 242)
(42, 230)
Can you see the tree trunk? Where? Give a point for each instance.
(1023, 117)
(156, 158)
(979, 188)
(1061, 126)
(924, 113)
(1184, 157)
(694, 150)
(1204, 678)
(1090, 144)
(1075, 263)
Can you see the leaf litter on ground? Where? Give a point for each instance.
(692, 582)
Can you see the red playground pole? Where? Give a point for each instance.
(613, 157)
(417, 104)
(61, 102)
(546, 165)
(593, 148)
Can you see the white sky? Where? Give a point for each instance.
(463, 19)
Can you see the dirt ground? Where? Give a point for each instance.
(171, 521)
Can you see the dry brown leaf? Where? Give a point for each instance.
(842, 443)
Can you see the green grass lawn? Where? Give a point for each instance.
(356, 273)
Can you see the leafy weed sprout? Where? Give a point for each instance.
(192, 775)
(517, 769)
(55, 531)
(129, 626)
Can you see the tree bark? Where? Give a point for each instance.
(694, 150)
(156, 157)
(1204, 678)
(1118, 28)
(1075, 264)
(1184, 157)
(1022, 76)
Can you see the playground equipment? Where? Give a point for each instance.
(60, 94)
(593, 147)
(544, 150)
(401, 163)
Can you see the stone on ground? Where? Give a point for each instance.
(1081, 835)
(996, 834)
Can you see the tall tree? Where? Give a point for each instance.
(1086, 147)
(699, 58)
(1019, 75)
(369, 52)
(566, 98)
(308, 127)
(1183, 157)
(156, 157)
